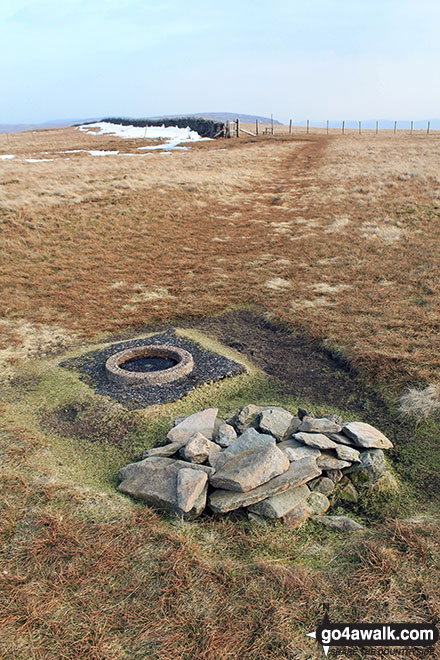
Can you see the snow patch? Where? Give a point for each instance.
(103, 153)
(38, 160)
(150, 132)
(7, 157)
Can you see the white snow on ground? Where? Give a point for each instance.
(38, 160)
(169, 145)
(103, 153)
(7, 157)
(151, 132)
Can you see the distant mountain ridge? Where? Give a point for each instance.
(227, 116)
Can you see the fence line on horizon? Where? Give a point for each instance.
(235, 128)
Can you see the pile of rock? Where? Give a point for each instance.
(274, 464)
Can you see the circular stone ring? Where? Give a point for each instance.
(184, 365)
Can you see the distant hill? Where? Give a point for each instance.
(56, 123)
(226, 116)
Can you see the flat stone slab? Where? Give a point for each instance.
(165, 451)
(341, 523)
(298, 473)
(279, 505)
(275, 421)
(366, 436)
(346, 453)
(251, 469)
(341, 439)
(327, 461)
(247, 440)
(133, 469)
(190, 485)
(318, 440)
(318, 425)
(294, 450)
(201, 422)
(154, 481)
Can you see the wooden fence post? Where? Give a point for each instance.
(412, 127)
(271, 121)
(290, 127)
(343, 127)
(360, 127)
(327, 126)
(429, 127)
(237, 123)
(395, 127)
(256, 127)
(308, 126)
(377, 128)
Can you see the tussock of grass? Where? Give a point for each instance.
(420, 403)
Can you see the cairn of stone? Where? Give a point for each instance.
(264, 460)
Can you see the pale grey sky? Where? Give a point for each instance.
(321, 59)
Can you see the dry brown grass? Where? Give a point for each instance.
(349, 225)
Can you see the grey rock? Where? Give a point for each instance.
(298, 473)
(251, 469)
(246, 418)
(134, 469)
(372, 465)
(248, 440)
(347, 492)
(302, 412)
(260, 520)
(318, 425)
(341, 439)
(323, 485)
(217, 460)
(297, 516)
(366, 436)
(279, 505)
(318, 503)
(327, 461)
(178, 420)
(346, 453)
(337, 419)
(318, 440)
(198, 448)
(166, 450)
(190, 485)
(341, 523)
(275, 421)
(294, 450)
(334, 474)
(201, 422)
(226, 435)
(154, 480)
(293, 427)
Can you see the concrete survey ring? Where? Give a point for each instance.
(184, 365)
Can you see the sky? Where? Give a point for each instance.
(315, 59)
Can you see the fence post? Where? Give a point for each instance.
(290, 127)
(377, 128)
(308, 126)
(360, 127)
(237, 123)
(343, 127)
(256, 127)
(271, 121)
(429, 127)
(412, 126)
(327, 126)
(395, 127)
